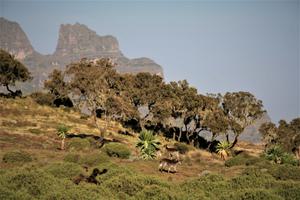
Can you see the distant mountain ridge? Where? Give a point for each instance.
(75, 42)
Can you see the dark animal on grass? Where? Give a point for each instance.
(91, 178)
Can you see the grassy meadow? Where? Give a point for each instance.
(33, 167)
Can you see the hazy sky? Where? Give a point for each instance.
(217, 46)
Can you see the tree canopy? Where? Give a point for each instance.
(11, 70)
(176, 109)
(287, 135)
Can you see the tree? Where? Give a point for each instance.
(11, 71)
(242, 109)
(286, 135)
(93, 82)
(269, 133)
(62, 131)
(56, 84)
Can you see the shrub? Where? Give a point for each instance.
(253, 194)
(156, 192)
(285, 172)
(289, 191)
(8, 194)
(94, 159)
(129, 185)
(74, 158)
(117, 150)
(31, 182)
(79, 144)
(17, 156)
(43, 98)
(35, 131)
(278, 155)
(64, 170)
(243, 159)
(182, 148)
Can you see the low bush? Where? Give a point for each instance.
(285, 172)
(253, 194)
(117, 150)
(35, 131)
(64, 170)
(243, 159)
(16, 157)
(79, 144)
(31, 183)
(182, 148)
(43, 98)
(289, 190)
(157, 192)
(73, 158)
(94, 159)
(279, 156)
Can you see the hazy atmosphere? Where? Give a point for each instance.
(217, 46)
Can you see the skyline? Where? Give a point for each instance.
(218, 47)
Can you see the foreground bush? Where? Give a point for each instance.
(64, 170)
(29, 184)
(74, 158)
(285, 172)
(94, 159)
(117, 150)
(79, 144)
(279, 156)
(253, 194)
(243, 159)
(43, 98)
(16, 156)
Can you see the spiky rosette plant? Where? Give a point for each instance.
(148, 144)
(62, 131)
(223, 149)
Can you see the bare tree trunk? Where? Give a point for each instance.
(227, 138)
(234, 141)
(12, 92)
(213, 137)
(95, 121)
(62, 146)
(180, 135)
(174, 135)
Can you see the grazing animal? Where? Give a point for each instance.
(168, 164)
(159, 154)
(91, 178)
(173, 152)
(174, 155)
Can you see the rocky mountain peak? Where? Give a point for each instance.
(79, 39)
(75, 41)
(14, 40)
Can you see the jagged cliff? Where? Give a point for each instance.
(75, 42)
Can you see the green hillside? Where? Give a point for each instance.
(33, 166)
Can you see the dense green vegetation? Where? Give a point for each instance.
(54, 181)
